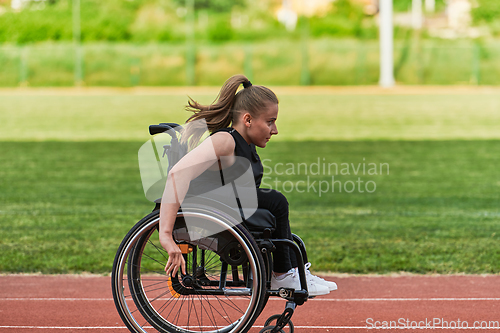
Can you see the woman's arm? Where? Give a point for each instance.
(188, 168)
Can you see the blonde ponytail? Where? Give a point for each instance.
(226, 106)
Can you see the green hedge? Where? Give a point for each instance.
(274, 62)
(161, 21)
(165, 21)
(100, 20)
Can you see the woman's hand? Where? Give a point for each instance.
(188, 168)
(175, 258)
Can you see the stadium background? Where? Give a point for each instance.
(69, 180)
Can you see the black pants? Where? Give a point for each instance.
(283, 258)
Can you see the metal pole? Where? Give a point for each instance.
(386, 44)
(77, 43)
(360, 77)
(416, 14)
(190, 48)
(135, 71)
(305, 75)
(248, 68)
(476, 64)
(23, 66)
(430, 6)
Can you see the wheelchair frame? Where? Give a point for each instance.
(227, 284)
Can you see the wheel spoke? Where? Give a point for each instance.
(155, 302)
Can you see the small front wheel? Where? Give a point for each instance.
(271, 321)
(269, 329)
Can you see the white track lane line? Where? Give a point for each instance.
(125, 328)
(256, 326)
(382, 299)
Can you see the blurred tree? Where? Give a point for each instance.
(214, 5)
(100, 20)
(344, 19)
(220, 30)
(36, 23)
(405, 5)
(218, 20)
(486, 11)
(157, 22)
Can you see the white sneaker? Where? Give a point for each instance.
(291, 280)
(317, 280)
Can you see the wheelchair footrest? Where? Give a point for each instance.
(299, 297)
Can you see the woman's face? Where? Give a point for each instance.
(264, 126)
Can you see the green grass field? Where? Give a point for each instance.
(70, 185)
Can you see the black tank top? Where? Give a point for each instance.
(210, 180)
(243, 149)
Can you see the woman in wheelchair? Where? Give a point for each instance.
(238, 121)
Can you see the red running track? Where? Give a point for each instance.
(31, 303)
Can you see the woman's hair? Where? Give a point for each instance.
(227, 106)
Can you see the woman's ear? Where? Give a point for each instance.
(247, 119)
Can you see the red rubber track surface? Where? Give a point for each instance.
(32, 303)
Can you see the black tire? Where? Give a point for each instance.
(148, 300)
(268, 329)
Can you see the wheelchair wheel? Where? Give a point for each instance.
(223, 291)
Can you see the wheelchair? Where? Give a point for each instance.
(227, 284)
